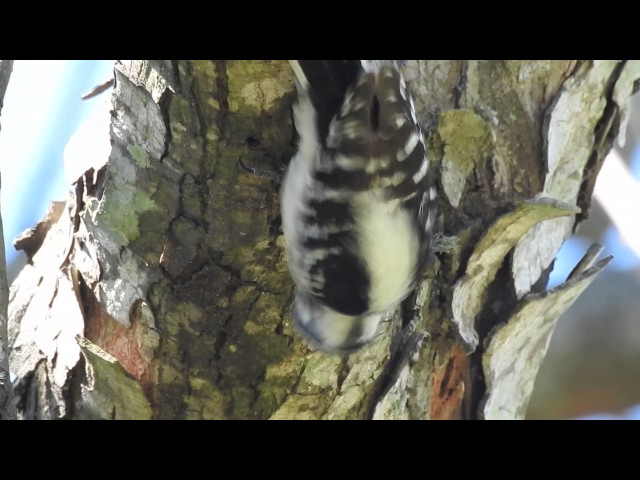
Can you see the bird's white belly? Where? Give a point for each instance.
(389, 247)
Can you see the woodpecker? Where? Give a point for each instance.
(357, 203)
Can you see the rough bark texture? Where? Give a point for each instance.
(163, 292)
(7, 404)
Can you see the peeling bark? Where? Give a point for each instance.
(174, 255)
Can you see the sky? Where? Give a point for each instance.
(42, 109)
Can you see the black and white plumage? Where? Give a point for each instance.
(356, 200)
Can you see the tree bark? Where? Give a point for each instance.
(7, 403)
(162, 289)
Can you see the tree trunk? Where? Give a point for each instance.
(162, 290)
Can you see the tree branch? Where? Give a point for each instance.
(7, 405)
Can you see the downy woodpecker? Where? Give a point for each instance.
(357, 205)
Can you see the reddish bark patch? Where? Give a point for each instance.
(448, 385)
(118, 340)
